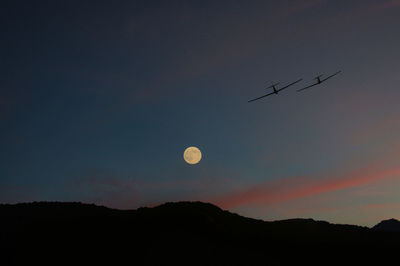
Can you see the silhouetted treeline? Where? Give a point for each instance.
(183, 233)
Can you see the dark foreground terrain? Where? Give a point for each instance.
(184, 233)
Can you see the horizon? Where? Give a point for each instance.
(100, 100)
(192, 202)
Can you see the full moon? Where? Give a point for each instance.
(192, 155)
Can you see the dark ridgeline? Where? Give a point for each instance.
(391, 225)
(183, 233)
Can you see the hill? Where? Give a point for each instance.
(391, 225)
(182, 233)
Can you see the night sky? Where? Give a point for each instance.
(99, 100)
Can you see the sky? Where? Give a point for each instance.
(99, 100)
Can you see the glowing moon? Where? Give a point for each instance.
(192, 155)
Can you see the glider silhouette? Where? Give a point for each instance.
(319, 80)
(273, 86)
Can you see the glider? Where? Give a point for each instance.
(319, 80)
(273, 86)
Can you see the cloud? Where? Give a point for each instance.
(386, 205)
(390, 4)
(106, 189)
(305, 5)
(18, 193)
(218, 43)
(130, 191)
(279, 191)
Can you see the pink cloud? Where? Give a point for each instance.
(275, 192)
(230, 45)
(386, 205)
(304, 5)
(390, 4)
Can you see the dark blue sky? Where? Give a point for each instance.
(99, 99)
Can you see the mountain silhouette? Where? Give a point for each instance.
(391, 225)
(181, 233)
